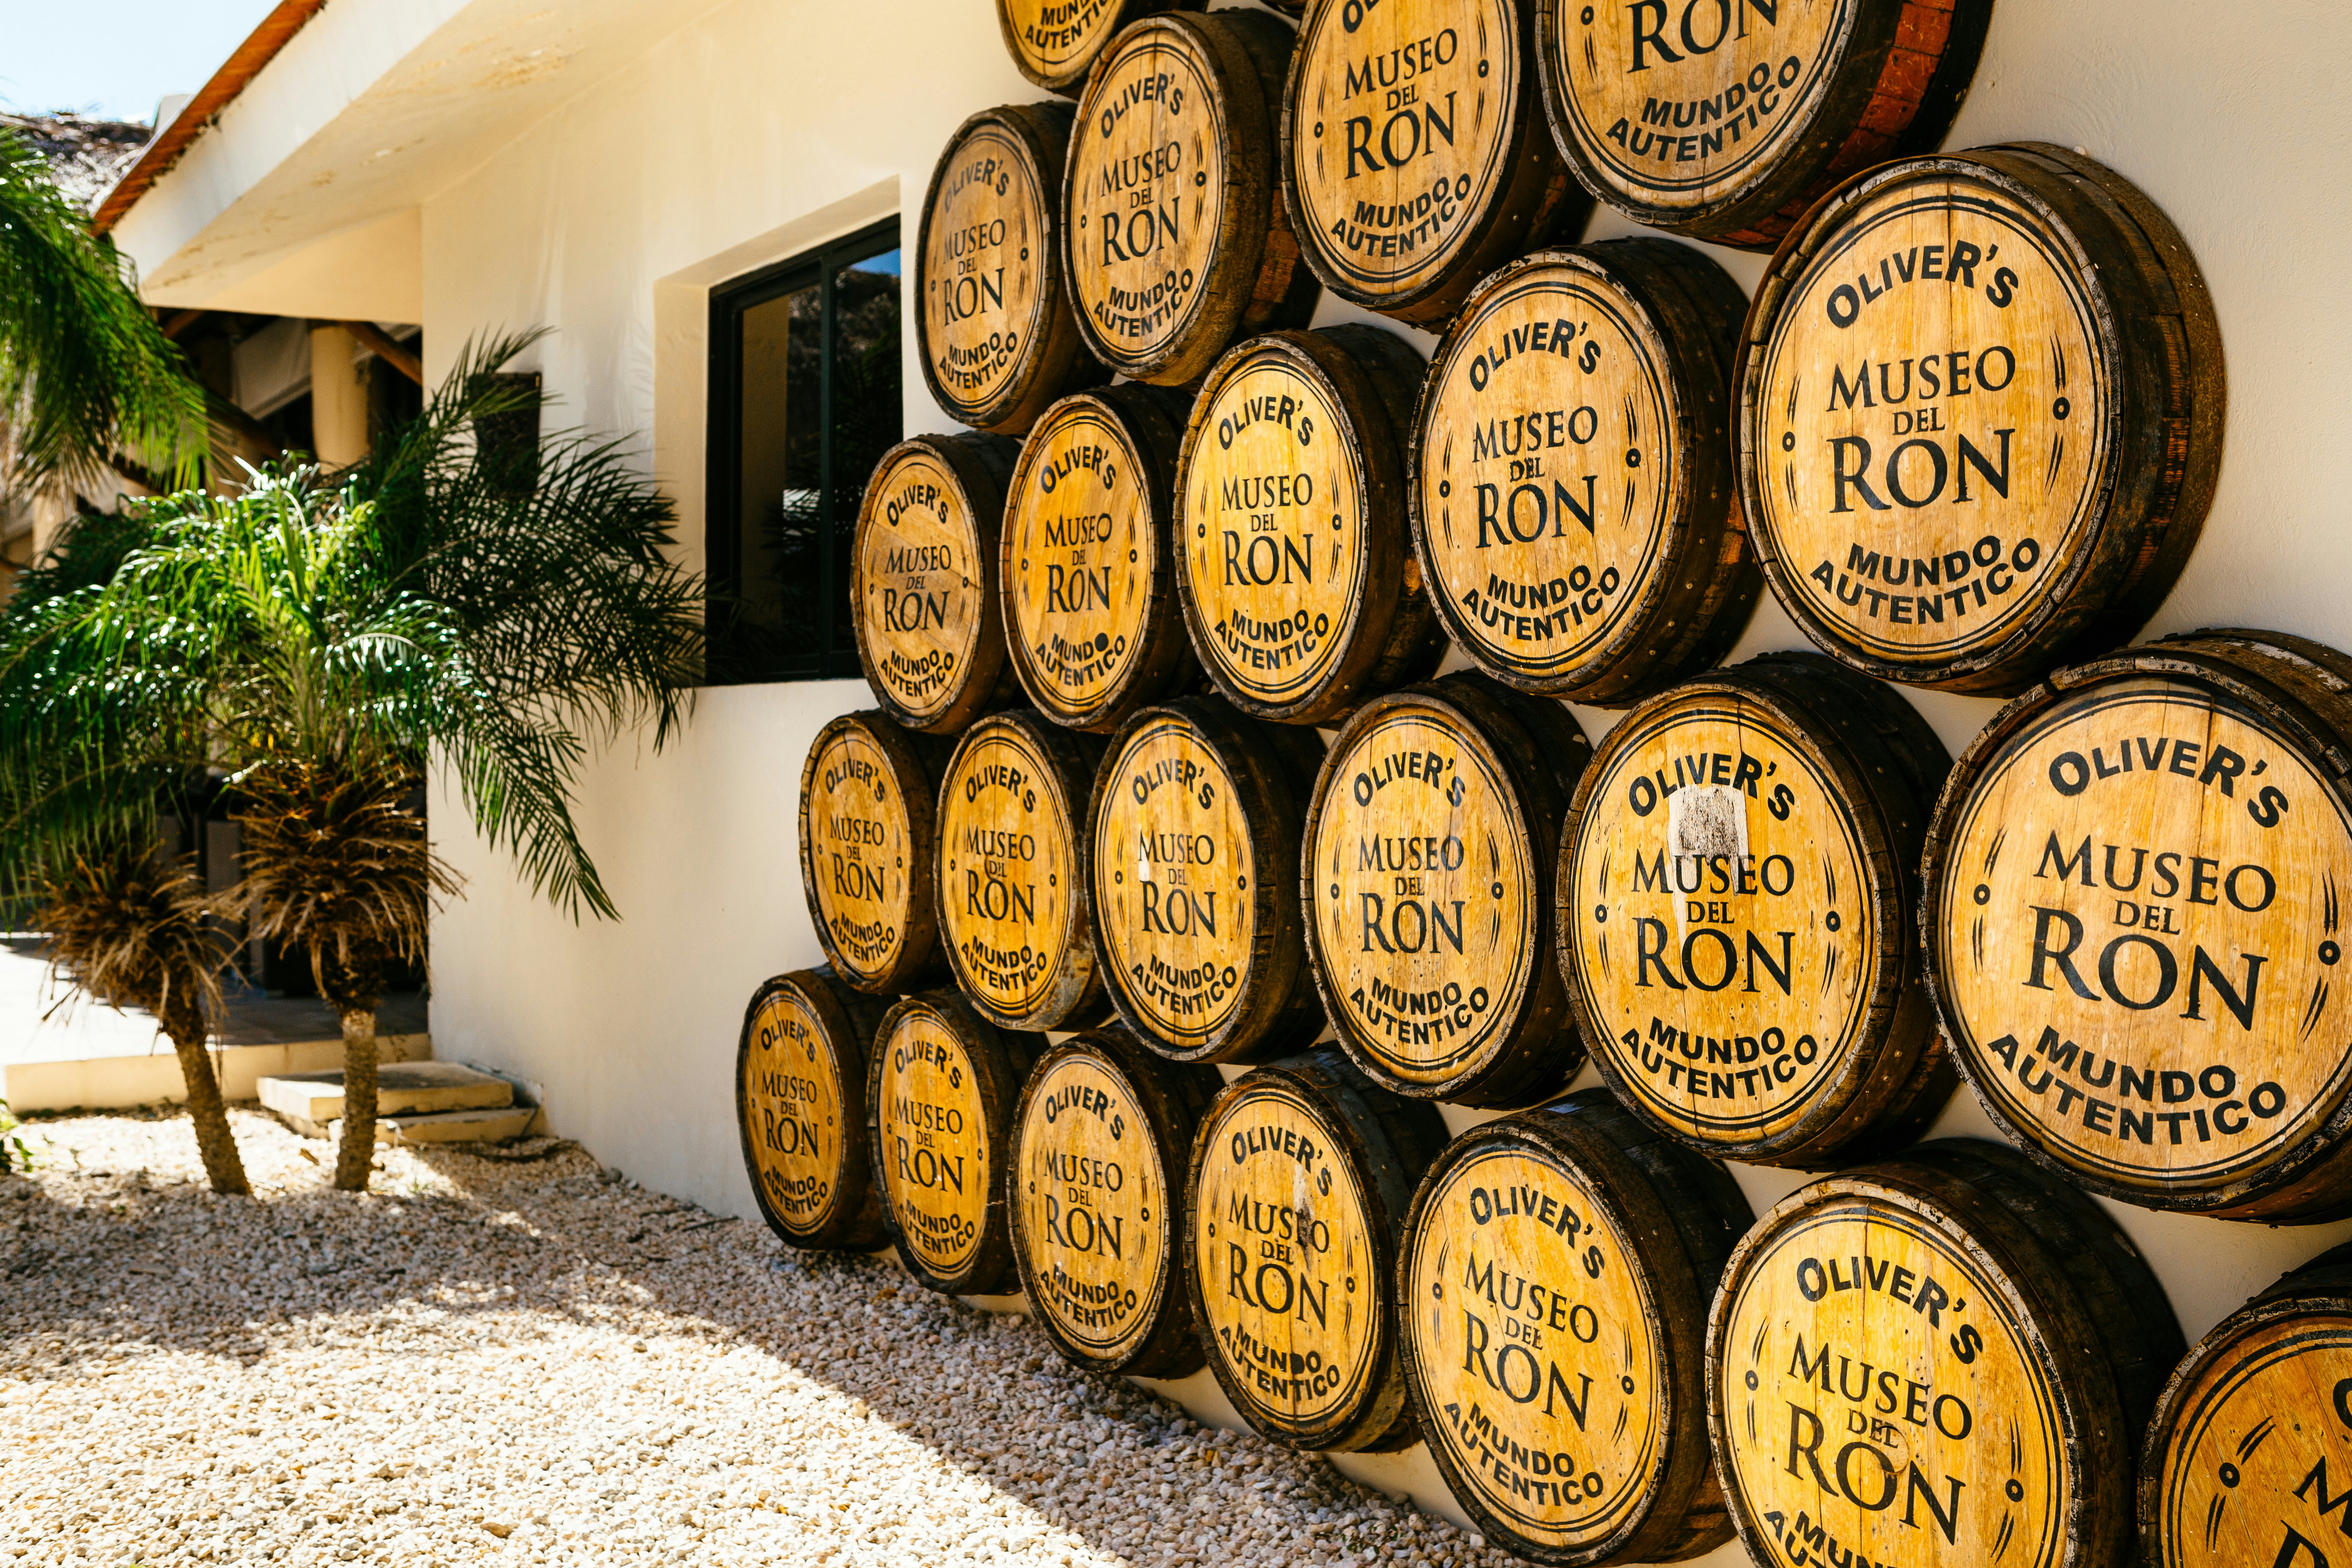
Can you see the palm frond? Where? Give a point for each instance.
(134, 929)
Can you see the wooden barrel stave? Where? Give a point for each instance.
(1670, 315)
(1059, 58)
(1021, 947)
(933, 1054)
(1261, 774)
(1352, 384)
(880, 940)
(2131, 330)
(1134, 433)
(1670, 1218)
(835, 1025)
(1034, 351)
(2052, 1338)
(1384, 1143)
(1106, 1081)
(1530, 1051)
(951, 665)
(1242, 273)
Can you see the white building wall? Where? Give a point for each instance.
(765, 125)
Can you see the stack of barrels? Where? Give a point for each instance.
(1223, 812)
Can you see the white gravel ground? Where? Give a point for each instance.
(527, 1360)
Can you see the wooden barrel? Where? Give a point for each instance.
(1724, 120)
(799, 1106)
(1942, 1359)
(2007, 467)
(1016, 910)
(2134, 911)
(1193, 841)
(1054, 42)
(1414, 156)
(1557, 1270)
(1175, 240)
(1102, 1139)
(930, 625)
(996, 334)
(1435, 823)
(1298, 588)
(1088, 568)
(1301, 1176)
(941, 1097)
(1573, 480)
(2235, 1471)
(1737, 900)
(869, 818)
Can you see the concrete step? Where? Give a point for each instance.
(499, 1124)
(308, 1101)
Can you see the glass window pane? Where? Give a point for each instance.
(780, 453)
(867, 410)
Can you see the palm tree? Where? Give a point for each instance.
(87, 378)
(333, 635)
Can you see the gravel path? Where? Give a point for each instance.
(529, 1360)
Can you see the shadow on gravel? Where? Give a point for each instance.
(93, 1262)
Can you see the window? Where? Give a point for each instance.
(804, 399)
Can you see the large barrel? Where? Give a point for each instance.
(1946, 1358)
(868, 834)
(1299, 587)
(1434, 828)
(1101, 1139)
(2135, 922)
(1724, 120)
(1195, 829)
(940, 1099)
(1176, 241)
(1300, 1179)
(997, 337)
(2235, 1471)
(1557, 1270)
(1016, 909)
(1414, 155)
(799, 1106)
(1054, 42)
(931, 625)
(1089, 565)
(1980, 417)
(1573, 480)
(1737, 911)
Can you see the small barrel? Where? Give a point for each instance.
(1102, 1139)
(931, 625)
(1016, 910)
(1300, 590)
(1728, 132)
(1087, 562)
(2235, 1471)
(1414, 155)
(1573, 481)
(799, 1106)
(1737, 900)
(1175, 238)
(1053, 43)
(1429, 847)
(1944, 1358)
(1557, 1270)
(869, 831)
(1939, 495)
(998, 339)
(941, 1097)
(1195, 830)
(1301, 1177)
(2135, 913)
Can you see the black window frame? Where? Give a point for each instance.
(723, 455)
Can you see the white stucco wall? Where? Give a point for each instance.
(767, 124)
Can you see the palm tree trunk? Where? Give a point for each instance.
(223, 1167)
(356, 1155)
